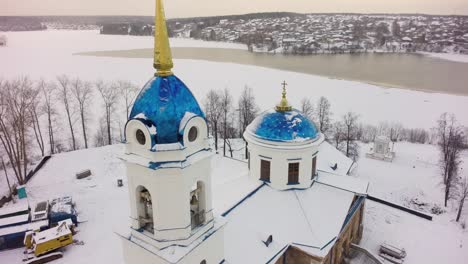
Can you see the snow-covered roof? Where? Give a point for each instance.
(231, 184)
(148, 163)
(383, 139)
(344, 182)
(20, 205)
(407, 39)
(23, 227)
(14, 220)
(52, 233)
(329, 156)
(310, 219)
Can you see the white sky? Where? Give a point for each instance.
(189, 8)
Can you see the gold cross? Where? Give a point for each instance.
(284, 85)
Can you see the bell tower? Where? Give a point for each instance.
(168, 160)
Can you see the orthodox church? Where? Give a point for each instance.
(293, 203)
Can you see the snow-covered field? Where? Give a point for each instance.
(414, 174)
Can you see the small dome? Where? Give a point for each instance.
(164, 101)
(283, 126)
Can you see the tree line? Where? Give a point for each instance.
(48, 117)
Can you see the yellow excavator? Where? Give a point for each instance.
(43, 246)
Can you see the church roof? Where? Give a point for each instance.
(164, 102)
(283, 126)
(310, 219)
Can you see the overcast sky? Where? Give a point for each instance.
(189, 8)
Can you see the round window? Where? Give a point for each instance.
(140, 137)
(192, 134)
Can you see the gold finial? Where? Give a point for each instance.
(162, 51)
(283, 106)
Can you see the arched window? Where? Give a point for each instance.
(197, 204)
(140, 137)
(145, 209)
(193, 134)
(265, 166)
(314, 166)
(293, 173)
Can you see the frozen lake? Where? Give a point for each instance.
(407, 71)
(47, 54)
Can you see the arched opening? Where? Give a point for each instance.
(145, 209)
(197, 204)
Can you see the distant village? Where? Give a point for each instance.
(332, 33)
(283, 32)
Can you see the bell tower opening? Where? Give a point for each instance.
(197, 204)
(145, 209)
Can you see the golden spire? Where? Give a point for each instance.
(162, 51)
(283, 106)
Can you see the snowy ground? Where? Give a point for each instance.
(413, 174)
(104, 207)
(448, 56)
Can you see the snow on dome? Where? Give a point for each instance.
(184, 121)
(285, 126)
(164, 101)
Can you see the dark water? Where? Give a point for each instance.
(410, 71)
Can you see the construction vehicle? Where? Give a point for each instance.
(43, 246)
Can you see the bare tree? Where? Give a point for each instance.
(213, 112)
(369, 133)
(229, 133)
(100, 136)
(16, 98)
(64, 91)
(35, 113)
(462, 196)
(247, 111)
(82, 92)
(48, 90)
(323, 114)
(226, 120)
(109, 94)
(338, 134)
(6, 175)
(128, 92)
(350, 122)
(307, 108)
(451, 140)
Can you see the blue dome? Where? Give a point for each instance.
(164, 101)
(283, 126)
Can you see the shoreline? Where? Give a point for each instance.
(147, 54)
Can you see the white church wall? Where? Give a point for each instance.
(279, 164)
(172, 218)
